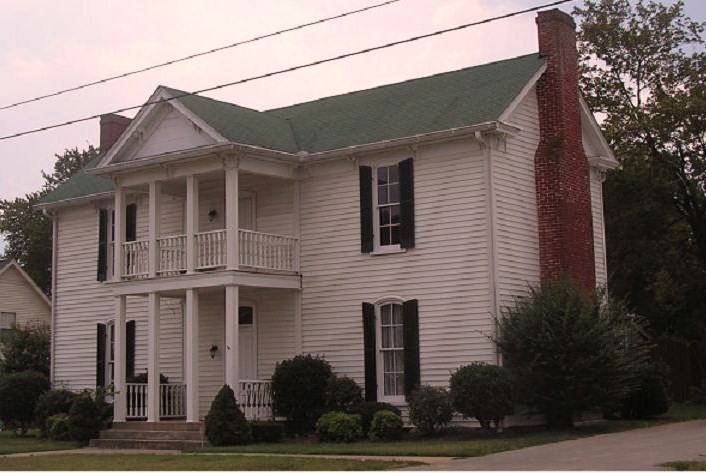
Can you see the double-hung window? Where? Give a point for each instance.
(391, 350)
(388, 206)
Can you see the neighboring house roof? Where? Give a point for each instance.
(6, 267)
(440, 102)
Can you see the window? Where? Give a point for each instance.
(110, 355)
(7, 323)
(388, 205)
(391, 349)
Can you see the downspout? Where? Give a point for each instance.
(54, 257)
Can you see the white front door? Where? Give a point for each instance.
(247, 351)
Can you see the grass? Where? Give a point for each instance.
(470, 444)
(148, 462)
(9, 443)
(686, 466)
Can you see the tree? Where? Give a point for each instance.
(27, 231)
(26, 349)
(644, 72)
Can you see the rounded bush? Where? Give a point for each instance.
(57, 426)
(298, 387)
(342, 393)
(484, 392)
(367, 411)
(19, 393)
(84, 419)
(54, 401)
(429, 409)
(266, 432)
(337, 426)
(386, 425)
(225, 422)
(650, 397)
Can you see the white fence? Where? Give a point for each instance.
(136, 258)
(211, 249)
(172, 400)
(172, 255)
(255, 399)
(267, 251)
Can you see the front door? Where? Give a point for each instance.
(247, 352)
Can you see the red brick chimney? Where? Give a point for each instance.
(112, 126)
(561, 167)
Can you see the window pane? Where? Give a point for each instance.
(389, 385)
(384, 215)
(397, 314)
(394, 235)
(399, 337)
(386, 314)
(385, 236)
(394, 176)
(388, 337)
(399, 384)
(394, 211)
(394, 193)
(382, 176)
(382, 195)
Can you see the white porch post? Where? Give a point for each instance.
(232, 227)
(154, 224)
(153, 358)
(192, 221)
(191, 346)
(119, 229)
(120, 361)
(232, 349)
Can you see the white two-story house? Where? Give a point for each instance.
(382, 229)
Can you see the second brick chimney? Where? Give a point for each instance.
(561, 168)
(111, 127)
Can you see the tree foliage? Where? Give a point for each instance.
(27, 231)
(644, 72)
(26, 348)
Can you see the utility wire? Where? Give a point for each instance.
(293, 68)
(203, 53)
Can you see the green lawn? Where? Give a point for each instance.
(9, 443)
(686, 466)
(86, 462)
(469, 445)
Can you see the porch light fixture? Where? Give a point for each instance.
(212, 214)
(213, 350)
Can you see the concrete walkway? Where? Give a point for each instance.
(639, 449)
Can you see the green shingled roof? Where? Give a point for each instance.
(440, 102)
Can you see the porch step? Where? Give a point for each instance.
(162, 426)
(146, 444)
(122, 434)
(152, 436)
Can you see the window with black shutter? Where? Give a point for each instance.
(102, 244)
(131, 222)
(100, 354)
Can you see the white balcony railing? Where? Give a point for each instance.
(172, 255)
(136, 259)
(255, 399)
(211, 249)
(267, 251)
(136, 400)
(172, 403)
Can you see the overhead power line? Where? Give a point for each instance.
(203, 53)
(293, 68)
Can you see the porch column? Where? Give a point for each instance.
(119, 231)
(154, 224)
(191, 347)
(231, 355)
(153, 357)
(232, 234)
(119, 374)
(192, 221)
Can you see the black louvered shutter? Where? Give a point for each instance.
(130, 349)
(131, 222)
(371, 385)
(406, 168)
(102, 244)
(410, 330)
(100, 355)
(366, 209)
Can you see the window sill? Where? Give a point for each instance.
(387, 251)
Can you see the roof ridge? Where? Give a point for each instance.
(189, 95)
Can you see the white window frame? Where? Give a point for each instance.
(378, 248)
(396, 399)
(109, 352)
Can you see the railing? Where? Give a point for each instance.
(210, 249)
(136, 254)
(172, 255)
(255, 399)
(172, 400)
(267, 251)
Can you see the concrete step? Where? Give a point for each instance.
(124, 434)
(161, 426)
(146, 444)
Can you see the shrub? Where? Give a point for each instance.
(337, 426)
(26, 349)
(52, 402)
(142, 378)
(225, 422)
(266, 432)
(651, 396)
(570, 352)
(482, 391)
(57, 426)
(367, 410)
(19, 393)
(342, 393)
(429, 409)
(386, 425)
(84, 419)
(298, 387)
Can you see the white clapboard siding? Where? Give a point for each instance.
(447, 271)
(598, 226)
(211, 332)
(516, 232)
(274, 313)
(18, 296)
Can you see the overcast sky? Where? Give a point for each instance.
(49, 45)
